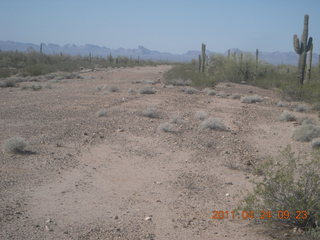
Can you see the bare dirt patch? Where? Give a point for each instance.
(117, 176)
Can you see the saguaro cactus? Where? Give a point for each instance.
(199, 63)
(229, 52)
(41, 45)
(203, 57)
(310, 63)
(302, 47)
(257, 60)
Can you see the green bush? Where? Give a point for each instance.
(187, 74)
(288, 183)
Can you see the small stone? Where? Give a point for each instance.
(149, 218)
(116, 217)
(227, 194)
(120, 130)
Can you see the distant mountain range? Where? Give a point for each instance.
(141, 52)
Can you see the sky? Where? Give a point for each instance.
(174, 26)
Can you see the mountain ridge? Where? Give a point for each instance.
(276, 57)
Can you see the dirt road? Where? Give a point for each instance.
(119, 176)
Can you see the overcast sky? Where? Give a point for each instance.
(166, 25)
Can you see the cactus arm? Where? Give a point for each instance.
(309, 45)
(296, 44)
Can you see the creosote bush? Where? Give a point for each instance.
(190, 90)
(282, 104)
(113, 89)
(15, 145)
(213, 124)
(301, 108)
(288, 183)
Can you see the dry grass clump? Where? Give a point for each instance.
(101, 113)
(36, 87)
(150, 112)
(113, 89)
(190, 90)
(251, 99)
(166, 127)
(201, 115)
(147, 90)
(287, 117)
(301, 108)
(15, 145)
(306, 133)
(282, 104)
(213, 124)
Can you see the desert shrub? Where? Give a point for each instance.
(221, 94)
(147, 90)
(36, 87)
(251, 99)
(287, 117)
(113, 89)
(316, 106)
(301, 108)
(150, 112)
(101, 113)
(306, 132)
(176, 120)
(166, 127)
(315, 143)
(179, 82)
(131, 91)
(9, 82)
(282, 104)
(188, 74)
(201, 115)
(209, 91)
(236, 96)
(15, 145)
(288, 184)
(306, 120)
(213, 124)
(190, 90)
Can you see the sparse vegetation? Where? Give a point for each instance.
(190, 90)
(15, 145)
(301, 108)
(306, 132)
(289, 184)
(221, 94)
(282, 104)
(210, 92)
(113, 89)
(236, 96)
(315, 143)
(176, 120)
(251, 99)
(166, 127)
(287, 117)
(213, 124)
(147, 90)
(102, 113)
(201, 115)
(151, 112)
(131, 91)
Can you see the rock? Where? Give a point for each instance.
(227, 194)
(149, 218)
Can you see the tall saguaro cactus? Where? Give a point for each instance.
(257, 60)
(310, 63)
(302, 47)
(203, 57)
(199, 63)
